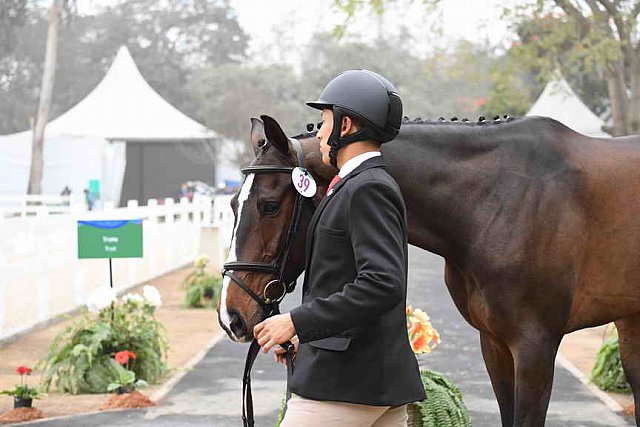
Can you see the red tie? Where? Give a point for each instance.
(333, 182)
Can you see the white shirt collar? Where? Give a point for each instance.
(356, 161)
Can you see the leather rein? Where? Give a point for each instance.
(270, 306)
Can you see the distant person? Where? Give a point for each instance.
(89, 199)
(66, 193)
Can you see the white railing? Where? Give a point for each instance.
(41, 276)
(223, 217)
(25, 205)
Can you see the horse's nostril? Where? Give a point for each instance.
(237, 324)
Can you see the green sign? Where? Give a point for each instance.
(110, 239)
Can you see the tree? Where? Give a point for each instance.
(13, 14)
(46, 90)
(229, 95)
(601, 37)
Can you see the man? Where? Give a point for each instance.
(354, 365)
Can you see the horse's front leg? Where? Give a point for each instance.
(499, 363)
(534, 355)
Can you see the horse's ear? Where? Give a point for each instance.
(275, 134)
(258, 138)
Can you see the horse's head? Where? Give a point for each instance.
(267, 246)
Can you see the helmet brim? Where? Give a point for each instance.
(320, 105)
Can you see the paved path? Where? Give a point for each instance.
(210, 395)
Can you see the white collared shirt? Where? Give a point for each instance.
(356, 161)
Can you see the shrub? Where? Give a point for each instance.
(607, 372)
(203, 288)
(443, 405)
(80, 358)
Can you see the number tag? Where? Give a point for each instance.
(303, 182)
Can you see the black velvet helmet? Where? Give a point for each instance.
(367, 97)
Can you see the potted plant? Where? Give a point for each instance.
(23, 395)
(443, 405)
(126, 382)
(80, 358)
(203, 288)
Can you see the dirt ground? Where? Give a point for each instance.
(581, 347)
(189, 331)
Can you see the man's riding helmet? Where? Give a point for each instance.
(367, 97)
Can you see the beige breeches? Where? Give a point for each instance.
(303, 412)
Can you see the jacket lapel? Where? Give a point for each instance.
(374, 162)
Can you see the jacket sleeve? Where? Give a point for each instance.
(377, 233)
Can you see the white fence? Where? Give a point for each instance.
(40, 275)
(26, 205)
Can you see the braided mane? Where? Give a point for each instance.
(482, 121)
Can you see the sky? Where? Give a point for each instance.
(297, 20)
(278, 28)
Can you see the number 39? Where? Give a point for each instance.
(304, 183)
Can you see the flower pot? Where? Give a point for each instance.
(124, 389)
(19, 402)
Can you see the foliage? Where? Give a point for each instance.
(12, 14)
(229, 95)
(607, 372)
(127, 378)
(443, 405)
(595, 44)
(203, 288)
(170, 41)
(281, 411)
(23, 391)
(80, 357)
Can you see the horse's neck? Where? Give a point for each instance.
(313, 161)
(444, 171)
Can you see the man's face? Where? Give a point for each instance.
(324, 133)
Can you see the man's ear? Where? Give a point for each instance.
(345, 126)
(275, 134)
(258, 138)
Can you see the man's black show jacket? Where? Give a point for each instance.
(351, 324)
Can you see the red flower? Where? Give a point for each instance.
(122, 357)
(132, 355)
(21, 370)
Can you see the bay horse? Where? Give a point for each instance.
(539, 227)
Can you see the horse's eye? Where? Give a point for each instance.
(270, 208)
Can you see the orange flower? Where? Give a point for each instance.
(416, 328)
(419, 344)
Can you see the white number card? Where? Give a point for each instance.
(303, 182)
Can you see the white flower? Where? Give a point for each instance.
(152, 295)
(135, 298)
(101, 299)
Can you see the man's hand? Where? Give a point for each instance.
(273, 331)
(279, 353)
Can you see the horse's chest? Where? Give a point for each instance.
(469, 299)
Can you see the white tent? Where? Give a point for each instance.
(88, 141)
(560, 102)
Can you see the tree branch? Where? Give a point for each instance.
(635, 11)
(575, 13)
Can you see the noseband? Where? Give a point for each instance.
(270, 306)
